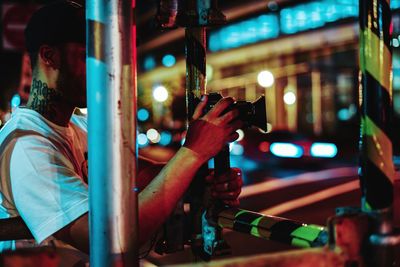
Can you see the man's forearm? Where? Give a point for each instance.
(159, 198)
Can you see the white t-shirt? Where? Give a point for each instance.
(47, 182)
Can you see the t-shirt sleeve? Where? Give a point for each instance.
(47, 191)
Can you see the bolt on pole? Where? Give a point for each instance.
(111, 81)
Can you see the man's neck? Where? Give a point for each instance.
(48, 102)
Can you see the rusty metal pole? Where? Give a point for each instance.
(111, 84)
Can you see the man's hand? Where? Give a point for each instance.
(208, 134)
(226, 187)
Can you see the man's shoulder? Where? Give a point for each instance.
(80, 121)
(22, 121)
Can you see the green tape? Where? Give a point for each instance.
(300, 243)
(307, 232)
(365, 205)
(240, 213)
(375, 57)
(254, 231)
(256, 221)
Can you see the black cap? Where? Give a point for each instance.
(57, 23)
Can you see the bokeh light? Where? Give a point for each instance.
(143, 114)
(265, 78)
(160, 93)
(153, 135)
(168, 60)
(289, 98)
(15, 101)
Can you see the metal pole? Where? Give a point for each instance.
(112, 133)
(195, 45)
(376, 166)
(273, 228)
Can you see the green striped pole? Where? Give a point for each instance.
(376, 166)
(273, 228)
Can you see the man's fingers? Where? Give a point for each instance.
(232, 137)
(229, 116)
(200, 107)
(220, 107)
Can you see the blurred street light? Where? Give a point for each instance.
(153, 135)
(160, 93)
(289, 98)
(265, 78)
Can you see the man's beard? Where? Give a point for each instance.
(71, 89)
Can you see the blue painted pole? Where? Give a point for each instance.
(111, 82)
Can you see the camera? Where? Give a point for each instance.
(251, 113)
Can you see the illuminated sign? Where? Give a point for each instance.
(289, 20)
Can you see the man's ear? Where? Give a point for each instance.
(49, 56)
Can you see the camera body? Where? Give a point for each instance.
(251, 113)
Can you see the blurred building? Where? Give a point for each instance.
(310, 47)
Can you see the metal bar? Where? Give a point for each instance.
(195, 46)
(111, 129)
(273, 228)
(377, 170)
(299, 258)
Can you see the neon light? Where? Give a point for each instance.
(142, 140)
(323, 150)
(395, 4)
(153, 135)
(165, 138)
(236, 149)
(297, 18)
(143, 114)
(286, 150)
(263, 146)
(249, 31)
(15, 101)
(168, 60)
(149, 63)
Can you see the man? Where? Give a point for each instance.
(43, 163)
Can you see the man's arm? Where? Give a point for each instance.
(159, 198)
(76, 233)
(205, 138)
(156, 201)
